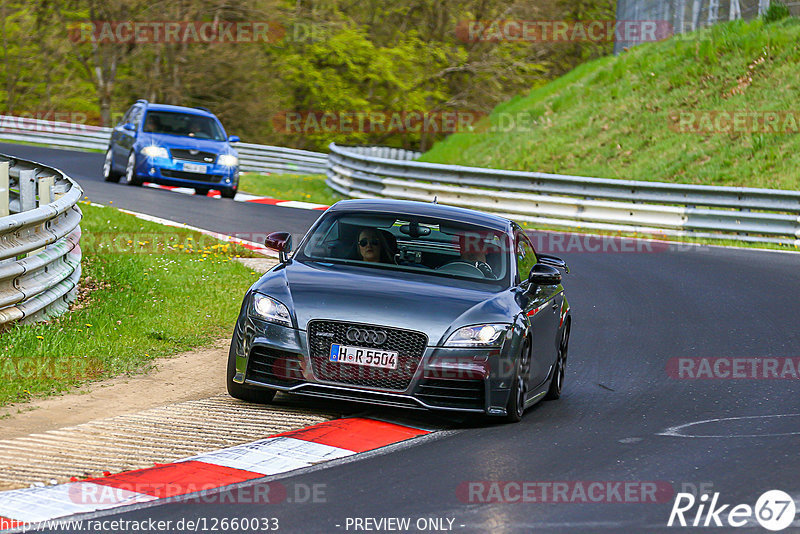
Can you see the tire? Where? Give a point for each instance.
(203, 192)
(130, 171)
(239, 391)
(516, 401)
(557, 382)
(109, 174)
(228, 193)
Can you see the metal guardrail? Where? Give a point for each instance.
(653, 208)
(252, 157)
(40, 254)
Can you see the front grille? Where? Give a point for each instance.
(184, 154)
(451, 393)
(196, 176)
(274, 367)
(409, 345)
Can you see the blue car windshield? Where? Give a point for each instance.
(429, 246)
(183, 124)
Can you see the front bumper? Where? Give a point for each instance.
(169, 171)
(451, 379)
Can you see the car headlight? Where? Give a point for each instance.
(271, 310)
(155, 151)
(228, 160)
(481, 335)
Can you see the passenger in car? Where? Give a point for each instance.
(372, 246)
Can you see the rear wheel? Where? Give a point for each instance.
(130, 171)
(239, 391)
(557, 382)
(519, 390)
(109, 174)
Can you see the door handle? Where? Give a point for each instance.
(555, 304)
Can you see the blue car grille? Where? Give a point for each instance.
(409, 345)
(196, 176)
(186, 155)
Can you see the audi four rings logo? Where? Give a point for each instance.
(377, 337)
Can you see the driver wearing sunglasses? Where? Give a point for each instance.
(371, 246)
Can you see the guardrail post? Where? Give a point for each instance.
(27, 190)
(4, 209)
(45, 190)
(45, 197)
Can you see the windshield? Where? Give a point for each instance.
(439, 248)
(184, 124)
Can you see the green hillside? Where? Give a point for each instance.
(627, 116)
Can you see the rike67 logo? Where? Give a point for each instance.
(774, 510)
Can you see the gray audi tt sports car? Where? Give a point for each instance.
(406, 304)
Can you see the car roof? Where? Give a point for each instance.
(180, 109)
(424, 209)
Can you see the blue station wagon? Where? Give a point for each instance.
(175, 146)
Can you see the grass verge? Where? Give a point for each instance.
(147, 291)
(307, 188)
(621, 117)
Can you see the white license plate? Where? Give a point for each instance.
(194, 167)
(384, 359)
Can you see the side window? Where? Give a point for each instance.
(135, 116)
(526, 258)
(127, 117)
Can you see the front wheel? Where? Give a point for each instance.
(519, 390)
(228, 193)
(130, 171)
(109, 174)
(239, 391)
(202, 191)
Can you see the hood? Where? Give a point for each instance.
(189, 143)
(411, 301)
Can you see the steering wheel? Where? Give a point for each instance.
(460, 267)
(485, 268)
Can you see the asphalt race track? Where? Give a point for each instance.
(633, 312)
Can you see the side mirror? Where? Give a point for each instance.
(544, 275)
(128, 126)
(233, 139)
(280, 242)
(547, 259)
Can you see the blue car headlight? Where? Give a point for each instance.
(153, 151)
(228, 160)
(481, 335)
(271, 310)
